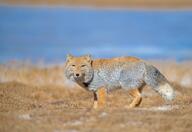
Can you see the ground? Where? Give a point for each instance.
(26, 108)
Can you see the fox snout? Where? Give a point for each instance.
(78, 75)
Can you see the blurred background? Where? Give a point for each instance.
(41, 33)
(48, 30)
(36, 35)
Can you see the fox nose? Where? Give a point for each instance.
(77, 74)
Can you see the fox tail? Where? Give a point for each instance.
(158, 82)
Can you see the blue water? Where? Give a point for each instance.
(44, 33)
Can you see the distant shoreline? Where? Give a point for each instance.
(113, 4)
(88, 7)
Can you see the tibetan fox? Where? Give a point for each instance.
(129, 73)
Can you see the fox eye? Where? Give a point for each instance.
(73, 65)
(83, 65)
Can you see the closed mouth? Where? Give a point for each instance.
(79, 78)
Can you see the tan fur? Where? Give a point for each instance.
(100, 62)
(136, 94)
(100, 100)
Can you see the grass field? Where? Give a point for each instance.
(37, 98)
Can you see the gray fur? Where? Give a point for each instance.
(153, 77)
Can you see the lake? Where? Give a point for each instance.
(49, 33)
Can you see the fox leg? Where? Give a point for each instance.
(136, 94)
(99, 98)
(95, 103)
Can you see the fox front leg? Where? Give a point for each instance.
(95, 103)
(99, 98)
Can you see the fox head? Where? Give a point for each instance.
(79, 69)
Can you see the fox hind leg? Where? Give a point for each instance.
(137, 98)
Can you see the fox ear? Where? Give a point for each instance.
(69, 57)
(88, 58)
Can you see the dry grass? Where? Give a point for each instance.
(27, 73)
(108, 3)
(28, 105)
(41, 74)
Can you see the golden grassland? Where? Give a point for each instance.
(38, 98)
(107, 3)
(45, 74)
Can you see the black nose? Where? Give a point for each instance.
(77, 75)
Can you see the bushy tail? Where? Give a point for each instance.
(158, 82)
